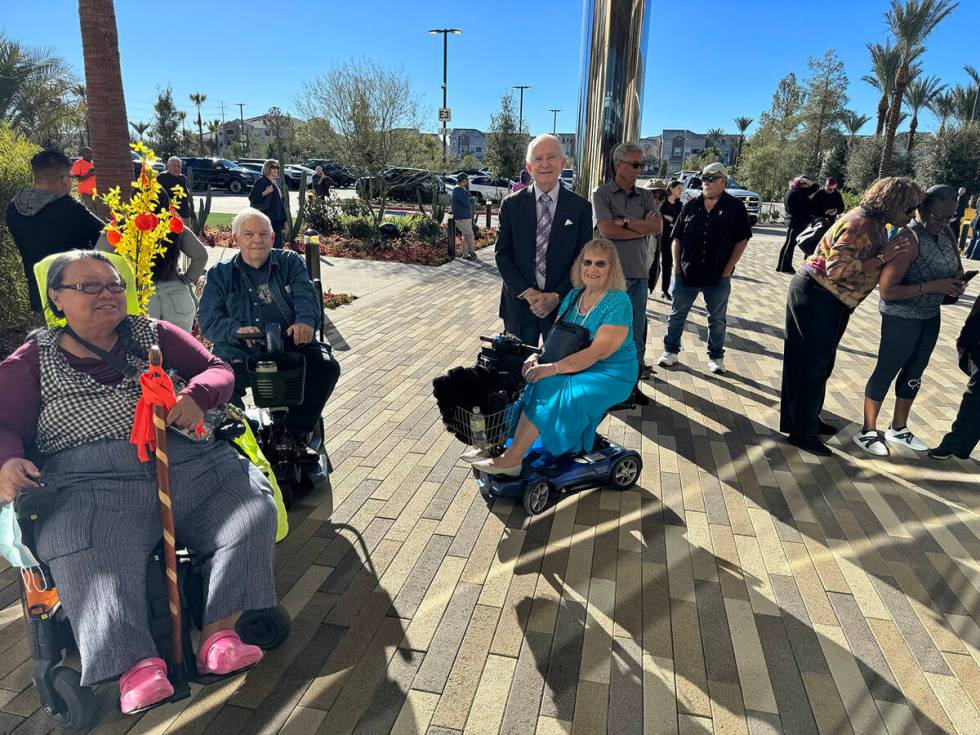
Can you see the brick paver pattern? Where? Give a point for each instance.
(740, 587)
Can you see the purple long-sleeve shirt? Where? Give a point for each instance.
(209, 382)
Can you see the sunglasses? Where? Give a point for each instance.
(711, 178)
(94, 289)
(588, 263)
(632, 164)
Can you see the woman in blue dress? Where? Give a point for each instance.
(566, 400)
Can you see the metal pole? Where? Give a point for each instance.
(445, 64)
(520, 114)
(554, 120)
(241, 132)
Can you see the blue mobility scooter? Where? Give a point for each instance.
(482, 410)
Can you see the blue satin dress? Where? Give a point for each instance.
(567, 409)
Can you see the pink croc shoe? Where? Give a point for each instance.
(224, 653)
(144, 686)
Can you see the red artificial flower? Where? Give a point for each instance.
(176, 225)
(113, 236)
(146, 221)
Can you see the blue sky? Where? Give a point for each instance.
(709, 61)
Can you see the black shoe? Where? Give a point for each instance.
(811, 444)
(640, 398)
(786, 270)
(940, 454)
(828, 429)
(646, 371)
(665, 296)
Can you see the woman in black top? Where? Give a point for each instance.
(670, 210)
(266, 196)
(797, 205)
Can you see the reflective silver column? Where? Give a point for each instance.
(614, 41)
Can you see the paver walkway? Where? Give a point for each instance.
(739, 588)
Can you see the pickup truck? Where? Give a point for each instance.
(751, 200)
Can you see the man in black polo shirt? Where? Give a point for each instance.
(709, 238)
(173, 177)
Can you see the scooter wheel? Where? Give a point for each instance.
(536, 497)
(75, 709)
(625, 472)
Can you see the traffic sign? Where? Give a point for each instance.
(445, 114)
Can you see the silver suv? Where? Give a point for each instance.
(751, 200)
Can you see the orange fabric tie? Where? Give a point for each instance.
(158, 390)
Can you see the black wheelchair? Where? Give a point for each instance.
(52, 641)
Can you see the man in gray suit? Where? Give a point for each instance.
(542, 230)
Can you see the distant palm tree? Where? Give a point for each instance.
(884, 68)
(975, 76)
(103, 82)
(943, 106)
(853, 123)
(214, 127)
(140, 128)
(920, 93)
(713, 137)
(742, 123)
(911, 22)
(962, 98)
(198, 99)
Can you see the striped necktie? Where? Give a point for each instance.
(541, 243)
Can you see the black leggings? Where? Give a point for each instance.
(905, 349)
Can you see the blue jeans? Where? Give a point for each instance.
(638, 289)
(715, 298)
(973, 249)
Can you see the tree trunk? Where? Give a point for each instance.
(200, 132)
(882, 114)
(738, 150)
(106, 115)
(901, 81)
(912, 128)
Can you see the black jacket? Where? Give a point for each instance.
(271, 204)
(516, 248)
(43, 223)
(797, 203)
(824, 200)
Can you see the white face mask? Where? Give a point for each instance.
(11, 542)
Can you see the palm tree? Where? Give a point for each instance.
(742, 123)
(911, 22)
(884, 65)
(140, 128)
(943, 106)
(920, 93)
(713, 137)
(35, 91)
(214, 127)
(103, 82)
(975, 76)
(198, 99)
(853, 122)
(962, 98)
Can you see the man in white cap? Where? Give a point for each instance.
(708, 240)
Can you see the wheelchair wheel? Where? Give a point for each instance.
(75, 708)
(625, 472)
(536, 497)
(266, 629)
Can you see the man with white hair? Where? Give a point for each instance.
(709, 238)
(542, 229)
(258, 286)
(173, 177)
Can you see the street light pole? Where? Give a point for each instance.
(520, 115)
(554, 120)
(445, 65)
(241, 133)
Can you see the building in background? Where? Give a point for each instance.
(678, 145)
(467, 141)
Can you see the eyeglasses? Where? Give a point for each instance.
(588, 263)
(94, 289)
(632, 164)
(711, 178)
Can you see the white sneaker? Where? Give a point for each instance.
(667, 359)
(870, 441)
(905, 438)
(716, 365)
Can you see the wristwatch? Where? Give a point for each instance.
(881, 257)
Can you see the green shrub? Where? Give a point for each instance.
(426, 228)
(358, 227)
(351, 207)
(322, 215)
(15, 174)
(405, 224)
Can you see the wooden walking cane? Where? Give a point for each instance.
(167, 521)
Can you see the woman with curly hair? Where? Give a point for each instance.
(832, 282)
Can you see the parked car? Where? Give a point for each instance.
(138, 162)
(219, 173)
(568, 176)
(486, 188)
(403, 184)
(692, 188)
(294, 173)
(341, 175)
(256, 167)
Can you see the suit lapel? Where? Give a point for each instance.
(558, 222)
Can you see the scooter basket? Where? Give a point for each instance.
(496, 426)
(276, 379)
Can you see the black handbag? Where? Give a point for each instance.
(565, 338)
(810, 237)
